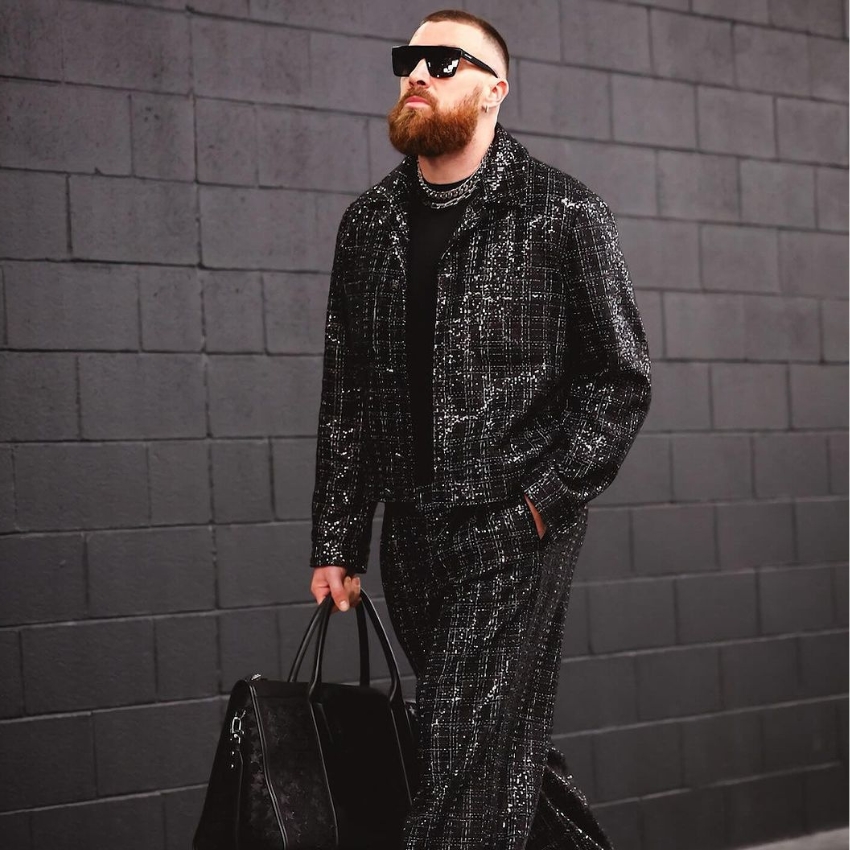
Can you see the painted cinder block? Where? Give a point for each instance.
(151, 570)
(125, 47)
(81, 485)
(136, 822)
(693, 48)
(714, 607)
(191, 729)
(68, 739)
(606, 35)
(65, 128)
(43, 578)
(63, 665)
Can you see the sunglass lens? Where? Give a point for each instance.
(401, 62)
(442, 62)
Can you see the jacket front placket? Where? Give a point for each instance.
(447, 366)
(447, 377)
(447, 370)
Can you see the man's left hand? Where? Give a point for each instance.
(538, 520)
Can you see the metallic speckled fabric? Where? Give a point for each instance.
(541, 364)
(478, 601)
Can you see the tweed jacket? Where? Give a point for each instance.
(541, 376)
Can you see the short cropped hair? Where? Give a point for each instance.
(461, 17)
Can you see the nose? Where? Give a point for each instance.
(419, 75)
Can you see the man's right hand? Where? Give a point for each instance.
(345, 589)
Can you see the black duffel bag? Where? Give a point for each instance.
(313, 764)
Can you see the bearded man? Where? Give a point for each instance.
(486, 372)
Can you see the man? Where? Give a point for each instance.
(486, 372)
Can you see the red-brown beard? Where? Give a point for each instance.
(421, 131)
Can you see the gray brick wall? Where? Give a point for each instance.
(172, 175)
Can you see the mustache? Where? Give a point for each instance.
(426, 96)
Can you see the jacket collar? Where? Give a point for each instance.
(502, 178)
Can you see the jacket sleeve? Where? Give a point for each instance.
(342, 508)
(607, 389)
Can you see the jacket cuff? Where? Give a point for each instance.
(333, 558)
(546, 490)
(344, 542)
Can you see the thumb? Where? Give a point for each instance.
(338, 591)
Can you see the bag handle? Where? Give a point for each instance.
(319, 623)
(308, 634)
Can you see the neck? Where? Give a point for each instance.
(457, 165)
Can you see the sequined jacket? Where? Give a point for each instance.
(541, 374)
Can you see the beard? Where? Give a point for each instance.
(424, 131)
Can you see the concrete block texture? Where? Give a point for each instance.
(146, 571)
(565, 101)
(12, 697)
(698, 186)
(43, 578)
(163, 136)
(771, 60)
(812, 263)
(226, 142)
(722, 747)
(828, 57)
(638, 103)
(125, 47)
(704, 327)
(668, 819)
(127, 220)
(40, 397)
(173, 176)
(690, 47)
(170, 307)
(31, 33)
(755, 534)
(34, 225)
(61, 665)
(781, 329)
(75, 306)
(637, 760)
(739, 259)
(822, 16)
(136, 822)
(811, 131)
(714, 607)
(130, 396)
(777, 193)
(68, 740)
(606, 35)
(193, 729)
(712, 466)
(831, 187)
(749, 396)
(64, 128)
(755, 11)
(75, 485)
(735, 122)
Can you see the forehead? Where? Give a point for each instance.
(453, 34)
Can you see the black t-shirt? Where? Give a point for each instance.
(430, 231)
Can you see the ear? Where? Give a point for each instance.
(496, 95)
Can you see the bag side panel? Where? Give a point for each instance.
(294, 761)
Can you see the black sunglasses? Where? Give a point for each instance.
(442, 61)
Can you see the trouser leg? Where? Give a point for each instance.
(478, 603)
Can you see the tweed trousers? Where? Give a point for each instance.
(478, 601)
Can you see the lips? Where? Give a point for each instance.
(415, 99)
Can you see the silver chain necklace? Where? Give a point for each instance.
(439, 198)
